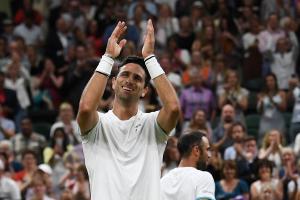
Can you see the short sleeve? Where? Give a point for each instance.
(206, 189)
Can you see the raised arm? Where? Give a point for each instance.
(169, 113)
(87, 116)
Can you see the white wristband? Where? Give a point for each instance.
(105, 65)
(153, 66)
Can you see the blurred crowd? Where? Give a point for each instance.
(233, 63)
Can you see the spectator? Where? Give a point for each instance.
(67, 121)
(28, 139)
(234, 94)
(247, 164)
(198, 122)
(272, 149)
(271, 104)
(237, 132)
(31, 32)
(7, 126)
(171, 156)
(8, 188)
(266, 187)
(81, 188)
(231, 187)
(24, 177)
(195, 97)
(284, 59)
(221, 138)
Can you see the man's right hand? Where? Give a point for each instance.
(114, 48)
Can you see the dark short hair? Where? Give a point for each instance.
(265, 163)
(139, 61)
(29, 152)
(188, 141)
(249, 138)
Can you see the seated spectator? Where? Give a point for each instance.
(81, 190)
(215, 164)
(272, 149)
(7, 126)
(54, 155)
(288, 171)
(237, 132)
(220, 138)
(67, 121)
(198, 122)
(231, 187)
(247, 164)
(266, 187)
(6, 151)
(8, 188)
(271, 103)
(43, 172)
(39, 186)
(24, 177)
(171, 156)
(234, 94)
(28, 139)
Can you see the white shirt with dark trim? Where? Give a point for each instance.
(124, 157)
(187, 183)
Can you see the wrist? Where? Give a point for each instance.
(105, 65)
(153, 66)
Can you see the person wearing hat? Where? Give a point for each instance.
(8, 187)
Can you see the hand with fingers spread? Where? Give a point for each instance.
(114, 47)
(149, 40)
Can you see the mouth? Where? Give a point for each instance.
(127, 89)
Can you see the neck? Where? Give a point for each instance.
(185, 162)
(124, 112)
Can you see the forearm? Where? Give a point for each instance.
(91, 95)
(168, 96)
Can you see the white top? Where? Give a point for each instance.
(230, 153)
(9, 189)
(187, 183)
(123, 157)
(31, 35)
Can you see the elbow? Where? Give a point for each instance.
(174, 109)
(84, 108)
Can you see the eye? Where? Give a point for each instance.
(124, 74)
(138, 78)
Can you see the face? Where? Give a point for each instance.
(228, 113)
(204, 154)
(232, 79)
(273, 22)
(26, 127)
(29, 160)
(129, 85)
(288, 156)
(250, 146)
(270, 81)
(66, 114)
(229, 172)
(274, 136)
(237, 133)
(264, 173)
(200, 117)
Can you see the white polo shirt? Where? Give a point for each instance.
(123, 157)
(187, 183)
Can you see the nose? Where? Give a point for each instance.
(209, 153)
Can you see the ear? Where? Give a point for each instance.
(113, 83)
(145, 90)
